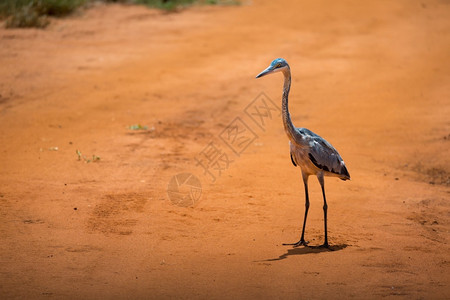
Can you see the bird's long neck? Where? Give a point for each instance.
(288, 126)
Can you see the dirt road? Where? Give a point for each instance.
(373, 79)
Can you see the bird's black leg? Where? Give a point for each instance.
(302, 239)
(325, 209)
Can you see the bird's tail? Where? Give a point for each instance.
(344, 174)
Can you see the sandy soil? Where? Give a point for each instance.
(372, 78)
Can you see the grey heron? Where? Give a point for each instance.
(313, 154)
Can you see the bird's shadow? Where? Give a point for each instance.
(307, 250)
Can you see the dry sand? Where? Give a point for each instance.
(372, 78)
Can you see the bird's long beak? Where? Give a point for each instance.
(265, 72)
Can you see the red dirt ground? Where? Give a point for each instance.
(372, 78)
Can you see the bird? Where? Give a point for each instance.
(312, 153)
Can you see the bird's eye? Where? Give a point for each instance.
(278, 65)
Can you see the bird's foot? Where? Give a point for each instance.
(302, 242)
(325, 245)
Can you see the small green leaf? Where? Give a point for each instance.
(138, 127)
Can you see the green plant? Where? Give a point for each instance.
(95, 158)
(57, 8)
(8, 7)
(26, 16)
(34, 13)
(137, 127)
(169, 5)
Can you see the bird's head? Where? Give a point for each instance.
(276, 65)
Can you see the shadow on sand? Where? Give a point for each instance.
(307, 250)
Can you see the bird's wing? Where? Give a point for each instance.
(293, 162)
(323, 155)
